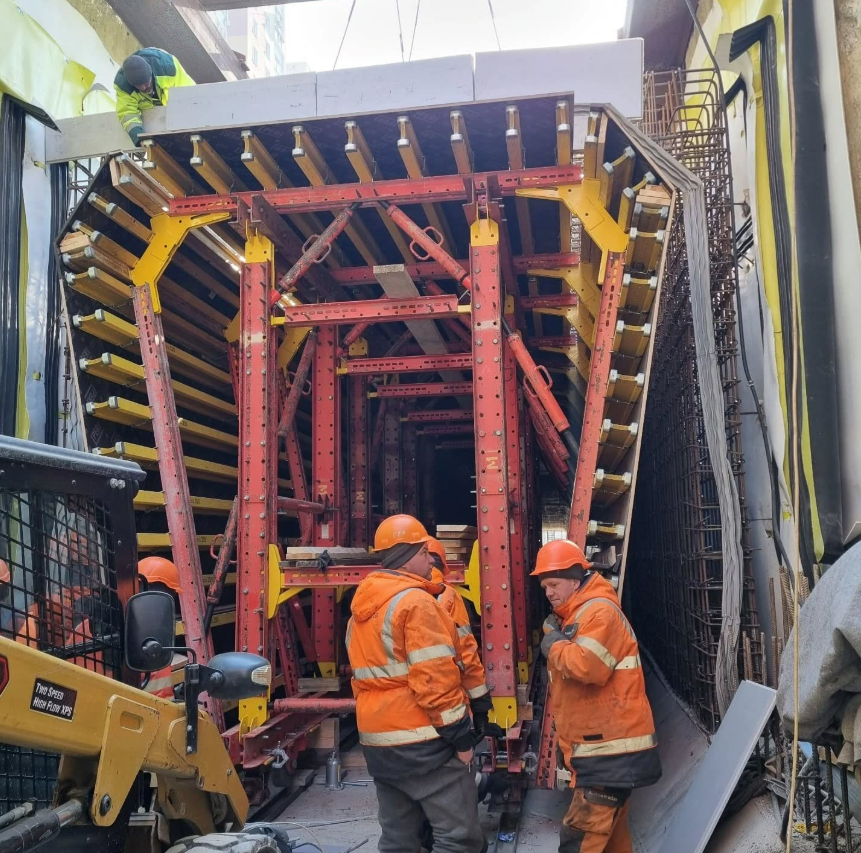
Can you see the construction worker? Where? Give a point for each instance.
(144, 81)
(411, 708)
(603, 719)
(472, 678)
(161, 575)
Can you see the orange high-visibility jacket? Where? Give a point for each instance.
(162, 681)
(411, 709)
(473, 678)
(603, 717)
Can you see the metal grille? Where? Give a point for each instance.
(676, 563)
(58, 594)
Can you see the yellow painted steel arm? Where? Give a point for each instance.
(109, 730)
(168, 234)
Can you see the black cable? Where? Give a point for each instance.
(493, 21)
(415, 24)
(760, 410)
(344, 36)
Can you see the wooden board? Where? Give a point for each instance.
(323, 685)
(456, 530)
(327, 736)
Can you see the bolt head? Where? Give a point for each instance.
(105, 805)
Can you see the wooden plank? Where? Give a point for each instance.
(323, 685)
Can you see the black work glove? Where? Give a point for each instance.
(484, 729)
(550, 638)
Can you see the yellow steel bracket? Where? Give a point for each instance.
(576, 281)
(583, 200)
(134, 726)
(504, 712)
(484, 232)
(471, 587)
(168, 234)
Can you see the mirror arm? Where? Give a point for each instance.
(192, 694)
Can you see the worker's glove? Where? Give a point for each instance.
(549, 640)
(484, 729)
(135, 134)
(551, 623)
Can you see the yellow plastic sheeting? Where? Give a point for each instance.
(35, 69)
(726, 17)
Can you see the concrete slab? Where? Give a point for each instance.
(241, 103)
(608, 73)
(389, 88)
(95, 135)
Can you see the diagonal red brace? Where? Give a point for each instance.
(432, 247)
(288, 416)
(313, 254)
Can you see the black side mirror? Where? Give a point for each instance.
(150, 631)
(237, 675)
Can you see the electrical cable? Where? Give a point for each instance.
(400, 29)
(415, 24)
(796, 484)
(344, 36)
(302, 826)
(760, 409)
(493, 21)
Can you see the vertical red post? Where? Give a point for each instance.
(258, 448)
(360, 481)
(596, 393)
(514, 456)
(392, 491)
(492, 470)
(410, 470)
(327, 487)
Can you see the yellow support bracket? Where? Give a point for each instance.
(168, 234)
(583, 200)
(471, 587)
(277, 594)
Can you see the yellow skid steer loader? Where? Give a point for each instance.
(135, 772)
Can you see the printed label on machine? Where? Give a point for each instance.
(53, 699)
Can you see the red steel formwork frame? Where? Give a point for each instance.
(360, 472)
(326, 449)
(493, 468)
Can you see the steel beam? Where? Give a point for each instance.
(429, 389)
(327, 488)
(498, 633)
(360, 479)
(371, 310)
(258, 460)
(402, 190)
(440, 415)
(408, 364)
(392, 486)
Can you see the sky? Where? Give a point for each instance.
(314, 30)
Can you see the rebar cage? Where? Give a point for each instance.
(677, 578)
(67, 557)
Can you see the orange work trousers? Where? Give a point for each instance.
(596, 822)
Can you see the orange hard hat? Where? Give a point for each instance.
(436, 547)
(398, 529)
(5, 574)
(558, 555)
(160, 570)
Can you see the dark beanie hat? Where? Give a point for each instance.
(397, 555)
(137, 70)
(575, 573)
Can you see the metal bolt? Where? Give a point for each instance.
(105, 805)
(247, 516)
(245, 591)
(189, 727)
(490, 666)
(484, 509)
(229, 771)
(505, 586)
(485, 528)
(260, 648)
(490, 647)
(188, 750)
(478, 305)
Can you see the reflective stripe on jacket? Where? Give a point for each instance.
(473, 678)
(167, 73)
(406, 679)
(162, 682)
(603, 717)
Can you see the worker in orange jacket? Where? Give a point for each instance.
(411, 708)
(473, 678)
(161, 575)
(603, 719)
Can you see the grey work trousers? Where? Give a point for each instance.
(448, 798)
